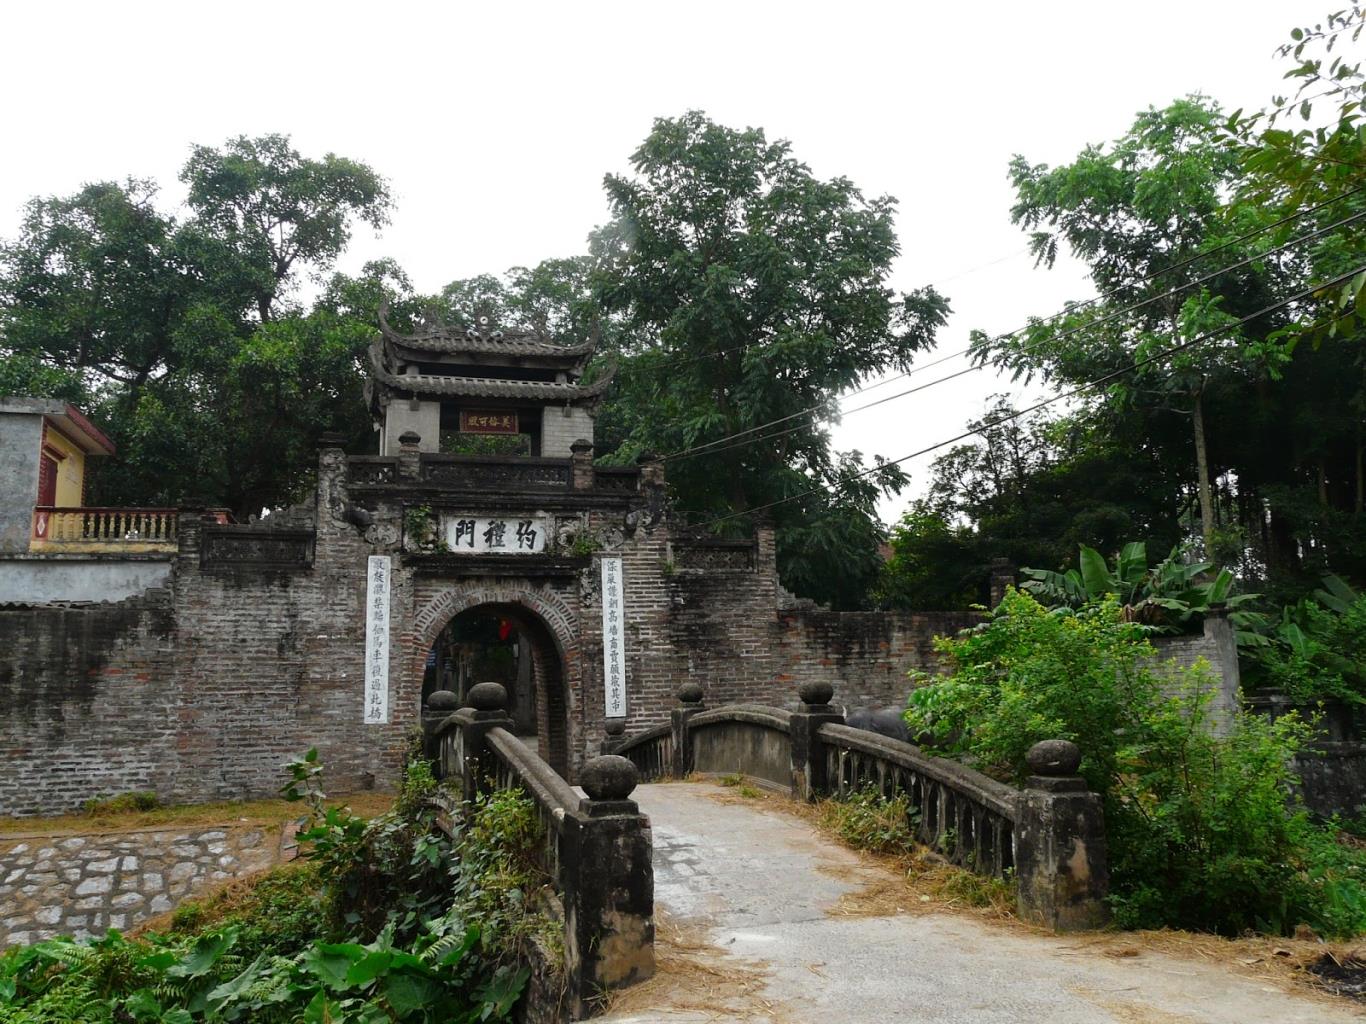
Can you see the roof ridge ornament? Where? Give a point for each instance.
(481, 332)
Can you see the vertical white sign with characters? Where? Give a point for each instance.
(614, 637)
(377, 641)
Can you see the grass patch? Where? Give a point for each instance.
(741, 785)
(140, 800)
(867, 821)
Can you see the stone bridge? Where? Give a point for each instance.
(752, 897)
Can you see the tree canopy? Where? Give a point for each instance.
(185, 339)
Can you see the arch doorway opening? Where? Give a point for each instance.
(506, 644)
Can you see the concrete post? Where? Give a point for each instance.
(690, 697)
(1002, 576)
(608, 884)
(581, 453)
(409, 455)
(440, 705)
(486, 710)
(1060, 852)
(809, 776)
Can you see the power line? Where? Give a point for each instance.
(1308, 292)
(682, 359)
(718, 445)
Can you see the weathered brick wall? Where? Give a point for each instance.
(204, 689)
(85, 702)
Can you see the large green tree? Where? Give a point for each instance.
(1140, 213)
(186, 340)
(747, 290)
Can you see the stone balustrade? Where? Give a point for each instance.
(596, 849)
(1049, 836)
(97, 529)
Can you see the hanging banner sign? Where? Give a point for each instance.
(487, 421)
(377, 640)
(500, 536)
(614, 637)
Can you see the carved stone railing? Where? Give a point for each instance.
(256, 548)
(617, 479)
(491, 472)
(1049, 836)
(372, 470)
(596, 849)
(716, 555)
(967, 817)
(652, 752)
(92, 529)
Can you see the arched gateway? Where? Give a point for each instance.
(543, 674)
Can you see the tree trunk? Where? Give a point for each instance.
(1202, 474)
(1361, 484)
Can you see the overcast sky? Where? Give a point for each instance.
(495, 122)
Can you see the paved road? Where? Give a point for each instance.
(746, 896)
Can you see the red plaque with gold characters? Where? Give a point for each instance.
(488, 421)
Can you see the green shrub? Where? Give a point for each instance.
(868, 821)
(1203, 831)
(385, 921)
(123, 803)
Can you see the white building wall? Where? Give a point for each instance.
(561, 427)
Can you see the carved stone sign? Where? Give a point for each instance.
(487, 421)
(377, 640)
(501, 535)
(614, 637)
(254, 546)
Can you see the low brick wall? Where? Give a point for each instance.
(83, 885)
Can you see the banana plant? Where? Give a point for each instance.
(1165, 598)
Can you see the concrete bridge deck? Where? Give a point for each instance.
(745, 898)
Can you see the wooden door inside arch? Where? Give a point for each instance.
(512, 646)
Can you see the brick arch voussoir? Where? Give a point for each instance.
(547, 606)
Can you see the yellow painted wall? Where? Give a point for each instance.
(70, 470)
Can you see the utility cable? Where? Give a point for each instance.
(718, 445)
(1300, 296)
(679, 359)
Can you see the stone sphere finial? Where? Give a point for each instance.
(816, 692)
(1056, 758)
(615, 726)
(581, 445)
(609, 777)
(690, 693)
(487, 697)
(442, 700)
(410, 437)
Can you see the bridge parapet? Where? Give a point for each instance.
(1049, 836)
(597, 848)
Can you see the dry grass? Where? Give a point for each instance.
(233, 812)
(694, 976)
(1283, 962)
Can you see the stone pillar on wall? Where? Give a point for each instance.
(409, 457)
(607, 884)
(1223, 658)
(1001, 577)
(581, 451)
(690, 700)
(809, 780)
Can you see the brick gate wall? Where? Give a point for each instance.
(203, 690)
